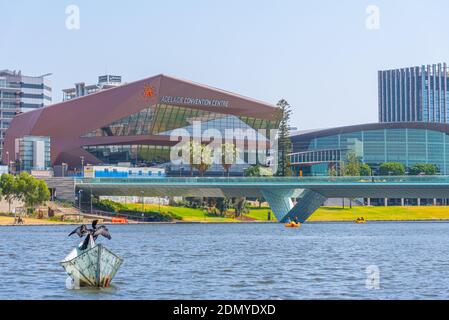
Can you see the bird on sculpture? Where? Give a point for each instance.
(93, 233)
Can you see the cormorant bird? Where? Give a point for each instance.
(82, 230)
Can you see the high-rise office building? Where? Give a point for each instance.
(414, 94)
(81, 89)
(18, 94)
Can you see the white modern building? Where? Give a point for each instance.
(81, 89)
(18, 94)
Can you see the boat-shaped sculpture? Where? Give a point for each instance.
(90, 264)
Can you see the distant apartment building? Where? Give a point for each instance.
(414, 94)
(18, 94)
(81, 89)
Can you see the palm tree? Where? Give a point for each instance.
(200, 156)
(228, 156)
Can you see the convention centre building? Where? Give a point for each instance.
(132, 123)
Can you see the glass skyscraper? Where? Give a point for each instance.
(414, 94)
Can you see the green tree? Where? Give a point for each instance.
(392, 168)
(223, 205)
(43, 194)
(258, 171)
(8, 188)
(352, 165)
(229, 153)
(239, 205)
(284, 141)
(31, 191)
(332, 171)
(427, 169)
(342, 168)
(365, 170)
(200, 156)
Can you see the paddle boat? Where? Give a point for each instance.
(360, 221)
(292, 224)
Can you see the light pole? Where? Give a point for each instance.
(91, 210)
(82, 165)
(79, 198)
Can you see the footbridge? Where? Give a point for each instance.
(288, 196)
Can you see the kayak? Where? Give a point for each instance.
(360, 221)
(94, 267)
(292, 225)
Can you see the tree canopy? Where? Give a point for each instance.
(24, 187)
(284, 141)
(427, 169)
(392, 168)
(258, 171)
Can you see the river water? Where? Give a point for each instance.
(239, 261)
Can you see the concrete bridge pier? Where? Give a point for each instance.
(307, 202)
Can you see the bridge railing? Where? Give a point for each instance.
(268, 180)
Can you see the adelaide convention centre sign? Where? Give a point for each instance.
(194, 101)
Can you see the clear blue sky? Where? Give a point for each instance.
(318, 55)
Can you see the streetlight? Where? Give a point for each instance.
(82, 165)
(91, 209)
(79, 198)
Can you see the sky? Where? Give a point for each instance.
(321, 56)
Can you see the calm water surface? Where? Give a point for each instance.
(238, 261)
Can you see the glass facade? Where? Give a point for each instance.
(374, 147)
(162, 119)
(33, 153)
(147, 154)
(416, 94)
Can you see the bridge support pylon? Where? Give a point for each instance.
(307, 202)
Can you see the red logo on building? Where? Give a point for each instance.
(148, 91)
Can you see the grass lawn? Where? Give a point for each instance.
(322, 214)
(381, 213)
(260, 214)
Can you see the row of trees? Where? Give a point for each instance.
(354, 167)
(398, 169)
(217, 206)
(201, 156)
(23, 187)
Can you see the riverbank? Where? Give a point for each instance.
(337, 214)
(9, 221)
(323, 214)
(256, 215)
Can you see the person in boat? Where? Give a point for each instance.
(93, 233)
(296, 220)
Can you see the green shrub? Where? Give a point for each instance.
(109, 205)
(152, 216)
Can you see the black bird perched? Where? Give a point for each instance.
(82, 231)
